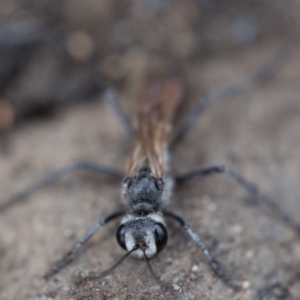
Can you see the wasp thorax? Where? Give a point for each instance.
(143, 188)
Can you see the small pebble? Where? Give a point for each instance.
(246, 285)
(236, 229)
(195, 268)
(249, 254)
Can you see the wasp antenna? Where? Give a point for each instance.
(113, 267)
(155, 277)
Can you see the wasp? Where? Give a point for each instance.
(147, 184)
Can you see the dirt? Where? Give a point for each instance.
(256, 134)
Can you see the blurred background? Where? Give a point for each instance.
(56, 53)
(56, 59)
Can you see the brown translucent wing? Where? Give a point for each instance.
(157, 105)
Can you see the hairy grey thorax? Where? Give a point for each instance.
(144, 192)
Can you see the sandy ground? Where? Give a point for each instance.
(257, 134)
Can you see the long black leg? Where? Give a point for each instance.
(264, 73)
(249, 186)
(51, 177)
(197, 239)
(274, 291)
(71, 254)
(110, 96)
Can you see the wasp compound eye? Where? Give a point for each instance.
(128, 182)
(121, 237)
(160, 235)
(159, 184)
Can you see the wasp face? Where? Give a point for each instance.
(146, 234)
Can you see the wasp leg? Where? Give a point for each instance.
(247, 185)
(79, 244)
(274, 290)
(111, 98)
(51, 177)
(211, 260)
(264, 73)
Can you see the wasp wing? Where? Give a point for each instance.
(158, 102)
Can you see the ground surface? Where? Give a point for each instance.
(56, 55)
(257, 134)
